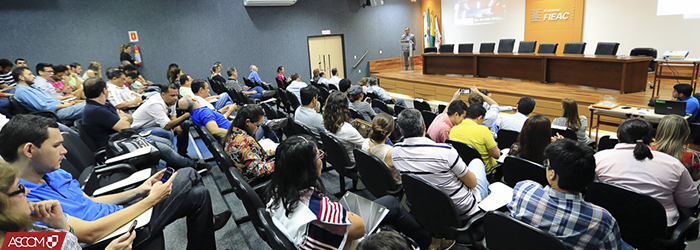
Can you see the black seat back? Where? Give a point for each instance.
(527, 46)
(355, 115)
(506, 45)
(566, 133)
(293, 100)
(375, 174)
(651, 52)
(249, 83)
(275, 238)
(280, 84)
(376, 103)
(606, 143)
(430, 50)
(548, 48)
(516, 169)
(503, 232)
(487, 47)
(428, 117)
(447, 48)
(466, 48)
(574, 48)
(336, 153)
(78, 153)
(466, 151)
(398, 109)
(431, 206)
(604, 48)
(85, 136)
(421, 105)
(17, 107)
(301, 128)
(506, 138)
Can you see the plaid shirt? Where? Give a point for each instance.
(579, 224)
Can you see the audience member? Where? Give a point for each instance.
(559, 209)
(35, 99)
(323, 80)
(384, 240)
(20, 62)
(186, 87)
(671, 134)
(634, 165)
(74, 70)
(335, 80)
(203, 116)
(683, 92)
(454, 114)
(174, 74)
(280, 76)
(254, 76)
(134, 80)
(533, 139)
(307, 113)
(158, 115)
(356, 101)
(316, 75)
(515, 121)
(383, 94)
(382, 127)
(201, 95)
(256, 92)
(296, 85)
(247, 154)
(124, 55)
(6, 73)
(216, 72)
(471, 132)
(119, 95)
(345, 85)
(336, 119)
(437, 163)
(94, 69)
(491, 106)
(364, 83)
(573, 121)
(45, 73)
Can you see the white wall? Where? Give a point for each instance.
(632, 23)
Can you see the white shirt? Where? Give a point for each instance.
(350, 138)
(186, 92)
(3, 120)
(118, 95)
(295, 87)
(335, 80)
(513, 122)
(43, 84)
(203, 102)
(153, 113)
(324, 81)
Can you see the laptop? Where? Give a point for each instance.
(668, 107)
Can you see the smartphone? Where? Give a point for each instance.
(166, 176)
(133, 226)
(464, 91)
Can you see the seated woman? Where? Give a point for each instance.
(298, 207)
(634, 165)
(216, 73)
(248, 156)
(280, 76)
(359, 105)
(573, 121)
(532, 140)
(336, 119)
(382, 127)
(17, 215)
(94, 69)
(671, 134)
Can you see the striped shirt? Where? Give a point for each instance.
(440, 165)
(577, 223)
(7, 79)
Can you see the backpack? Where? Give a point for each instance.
(129, 140)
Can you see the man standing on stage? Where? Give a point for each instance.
(406, 47)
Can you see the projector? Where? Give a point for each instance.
(674, 55)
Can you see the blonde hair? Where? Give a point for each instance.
(10, 220)
(363, 81)
(672, 132)
(573, 121)
(124, 47)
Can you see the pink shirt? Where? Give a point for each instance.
(58, 85)
(439, 130)
(664, 177)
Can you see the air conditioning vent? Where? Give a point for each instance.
(253, 3)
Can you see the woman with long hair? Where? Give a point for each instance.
(382, 127)
(16, 214)
(216, 73)
(299, 208)
(336, 119)
(124, 55)
(247, 154)
(671, 134)
(94, 69)
(634, 165)
(316, 76)
(534, 137)
(573, 121)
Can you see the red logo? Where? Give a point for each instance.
(34, 241)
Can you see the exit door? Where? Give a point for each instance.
(326, 53)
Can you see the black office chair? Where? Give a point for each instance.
(547, 48)
(650, 52)
(275, 238)
(447, 48)
(604, 48)
(574, 48)
(376, 103)
(376, 175)
(421, 105)
(340, 161)
(527, 46)
(503, 232)
(293, 100)
(437, 213)
(606, 143)
(506, 45)
(506, 138)
(398, 109)
(17, 109)
(465, 48)
(333, 87)
(85, 136)
(441, 108)
(566, 133)
(430, 50)
(355, 115)
(249, 82)
(466, 151)
(280, 83)
(516, 169)
(642, 219)
(487, 47)
(428, 117)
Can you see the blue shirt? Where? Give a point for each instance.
(691, 106)
(59, 185)
(254, 77)
(35, 99)
(203, 115)
(577, 223)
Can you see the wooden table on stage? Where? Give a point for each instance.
(623, 113)
(627, 74)
(688, 62)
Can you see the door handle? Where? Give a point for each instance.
(329, 61)
(324, 63)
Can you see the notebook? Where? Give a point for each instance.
(668, 107)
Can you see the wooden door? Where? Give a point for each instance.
(326, 53)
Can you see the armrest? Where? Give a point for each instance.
(135, 178)
(270, 100)
(142, 220)
(686, 230)
(127, 156)
(116, 167)
(101, 155)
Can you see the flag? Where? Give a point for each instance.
(432, 34)
(428, 34)
(426, 31)
(438, 36)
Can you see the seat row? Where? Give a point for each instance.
(507, 46)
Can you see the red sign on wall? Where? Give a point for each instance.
(133, 37)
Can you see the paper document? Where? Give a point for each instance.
(371, 213)
(501, 195)
(504, 154)
(268, 144)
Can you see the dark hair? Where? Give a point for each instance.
(250, 112)
(322, 74)
(173, 65)
(475, 99)
(172, 73)
(534, 137)
(17, 72)
(279, 69)
(486, 92)
(114, 73)
(456, 106)
(526, 105)
(384, 240)
(636, 130)
(373, 81)
(59, 68)
(474, 111)
(133, 75)
(334, 71)
(184, 78)
(295, 171)
(41, 66)
(230, 71)
(382, 126)
(573, 162)
(5, 63)
(684, 88)
(308, 94)
(74, 65)
(19, 59)
(93, 87)
(22, 129)
(344, 85)
(167, 87)
(411, 123)
(127, 67)
(336, 112)
(197, 84)
(295, 76)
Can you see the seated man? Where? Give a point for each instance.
(186, 87)
(683, 92)
(471, 132)
(59, 71)
(119, 95)
(322, 79)
(454, 114)
(437, 163)
(335, 80)
(201, 94)
(133, 81)
(383, 95)
(202, 116)
(308, 113)
(35, 99)
(344, 85)
(256, 92)
(516, 121)
(158, 115)
(45, 73)
(33, 146)
(296, 85)
(6, 73)
(559, 209)
(101, 120)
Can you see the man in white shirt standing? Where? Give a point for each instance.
(335, 80)
(515, 121)
(158, 115)
(296, 85)
(119, 95)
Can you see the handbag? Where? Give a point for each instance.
(362, 126)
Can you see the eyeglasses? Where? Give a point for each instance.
(20, 190)
(321, 154)
(546, 165)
